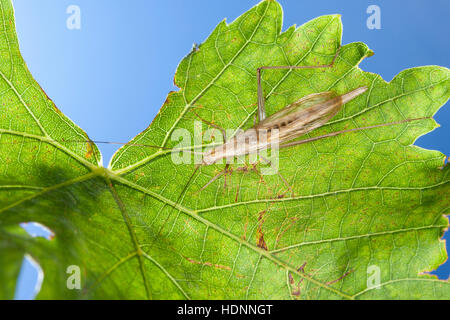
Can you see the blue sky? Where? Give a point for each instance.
(112, 76)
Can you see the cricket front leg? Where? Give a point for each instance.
(328, 135)
(261, 97)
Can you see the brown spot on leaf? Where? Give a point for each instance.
(340, 278)
(209, 264)
(291, 279)
(213, 265)
(167, 101)
(296, 292)
(291, 222)
(244, 236)
(260, 242)
(302, 268)
(90, 150)
(56, 109)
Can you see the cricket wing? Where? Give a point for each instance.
(306, 114)
(291, 111)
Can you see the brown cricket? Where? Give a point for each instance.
(293, 121)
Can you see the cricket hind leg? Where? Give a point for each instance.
(217, 176)
(261, 97)
(332, 134)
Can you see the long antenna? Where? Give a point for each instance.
(92, 141)
(108, 142)
(294, 143)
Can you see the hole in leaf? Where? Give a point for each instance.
(30, 279)
(35, 229)
(443, 271)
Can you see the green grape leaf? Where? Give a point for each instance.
(354, 216)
